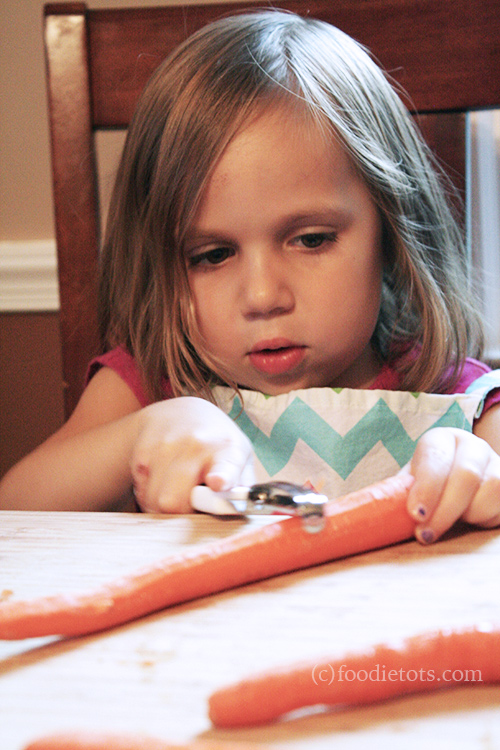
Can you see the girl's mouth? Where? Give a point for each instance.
(276, 357)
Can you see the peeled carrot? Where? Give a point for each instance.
(105, 741)
(367, 519)
(102, 741)
(423, 663)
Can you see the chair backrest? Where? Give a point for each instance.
(444, 53)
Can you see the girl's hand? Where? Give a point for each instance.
(185, 442)
(457, 475)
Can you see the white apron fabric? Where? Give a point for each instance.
(340, 440)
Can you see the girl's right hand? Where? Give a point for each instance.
(182, 443)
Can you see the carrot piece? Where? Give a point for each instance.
(101, 741)
(422, 663)
(367, 519)
(104, 741)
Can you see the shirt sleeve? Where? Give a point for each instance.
(121, 362)
(477, 372)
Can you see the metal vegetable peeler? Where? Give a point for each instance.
(282, 498)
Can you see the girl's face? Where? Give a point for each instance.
(285, 261)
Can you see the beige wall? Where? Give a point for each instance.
(25, 207)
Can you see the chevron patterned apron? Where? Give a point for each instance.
(340, 440)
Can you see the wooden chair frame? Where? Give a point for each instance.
(444, 53)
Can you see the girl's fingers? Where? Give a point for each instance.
(431, 465)
(180, 443)
(176, 473)
(457, 475)
(465, 479)
(165, 474)
(484, 510)
(172, 473)
(231, 466)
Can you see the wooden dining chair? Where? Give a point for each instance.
(444, 53)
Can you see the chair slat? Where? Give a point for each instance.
(75, 194)
(443, 52)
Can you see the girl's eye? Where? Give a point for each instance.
(316, 240)
(211, 257)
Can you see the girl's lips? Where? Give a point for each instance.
(276, 357)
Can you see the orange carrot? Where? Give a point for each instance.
(101, 741)
(368, 519)
(423, 663)
(105, 741)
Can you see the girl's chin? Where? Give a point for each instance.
(277, 387)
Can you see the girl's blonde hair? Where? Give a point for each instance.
(195, 103)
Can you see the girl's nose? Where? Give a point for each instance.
(266, 287)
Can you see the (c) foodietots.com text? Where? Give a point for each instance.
(328, 674)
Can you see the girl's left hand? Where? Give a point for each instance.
(457, 475)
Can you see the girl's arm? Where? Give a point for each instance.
(85, 464)
(457, 475)
(109, 442)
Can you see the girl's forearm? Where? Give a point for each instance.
(86, 471)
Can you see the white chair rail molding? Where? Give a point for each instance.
(28, 276)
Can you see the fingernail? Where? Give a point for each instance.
(419, 513)
(426, 535)
(217, 482)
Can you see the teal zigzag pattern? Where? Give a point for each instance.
(341, 453)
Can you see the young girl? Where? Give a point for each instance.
(283, 294)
